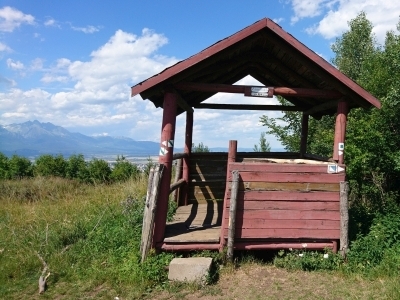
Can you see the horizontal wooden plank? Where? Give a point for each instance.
(287, 224)
(284, 168)
(288, 186)
(286, 233)
(289, 177)
(211, 168)
(288, 215)
(285, 205)
(286, 195)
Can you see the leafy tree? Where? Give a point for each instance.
(48, 165)
(77, 168)
(99, 171)
(200, 148)
(19, 167)
(263, 144)
(3, 166)
(123, 170)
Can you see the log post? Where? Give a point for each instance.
(150, 209)
(232, 214)
(304, 135)
(188, 151)
(344, 217)
(340, 132)
(178, 172)
(165, 158)
(231, 158)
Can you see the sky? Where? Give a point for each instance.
(72, 63)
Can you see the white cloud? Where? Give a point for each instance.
(15, 65)
(307, 8)
(87, 29)
(11, 18)
(4, 48)
(50, 22)
(383, 14)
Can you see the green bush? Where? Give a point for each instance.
(77, 168)
(99, 171)
(124, 170)
(48, 165)
(376, 247)
(19, 167)
(3, 166)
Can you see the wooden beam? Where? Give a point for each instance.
(241, 89)
(181, 102)
(232, 214)
(186, 159)
(340, 131)
(247, 107)
(304, 135)
(321, 107)
(165, 158)
(344, 217)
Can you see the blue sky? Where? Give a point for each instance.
(73, 62)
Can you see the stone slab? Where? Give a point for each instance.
(191, 269)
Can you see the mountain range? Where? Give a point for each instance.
(34, 138)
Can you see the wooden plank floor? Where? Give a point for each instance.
(195, 223)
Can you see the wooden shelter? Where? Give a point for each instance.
(254, 200)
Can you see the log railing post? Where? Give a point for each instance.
(344, 217)
(232, 214)
(153, 189)
(186, 159)
(176, 194)
(165, 158)
(304, 135)
(340, 132)
(232, 152)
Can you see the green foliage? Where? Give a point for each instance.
(124, 170)
(200, 148)
(263, 144)
(379, 247)
(49, 165)
(3, 166)
(19, 167)
(308, 260)
(99, 171)
(77, 168)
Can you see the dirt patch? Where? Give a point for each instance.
(255, 281)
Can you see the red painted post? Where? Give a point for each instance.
(188, 151)
(304, 135)
(231, 158)
(165, 158)
(340, 132)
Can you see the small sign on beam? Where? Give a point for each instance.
(259, 91)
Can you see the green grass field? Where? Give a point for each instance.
(89, 236)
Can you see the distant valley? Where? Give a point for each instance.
(33, 138)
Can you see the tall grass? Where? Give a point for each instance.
(89, 236)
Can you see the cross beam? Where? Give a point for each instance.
(258, 91)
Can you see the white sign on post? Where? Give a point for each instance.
(259, 91)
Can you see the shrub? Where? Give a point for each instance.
(3, 166)
(99, 171)
(19, 167)
(48, 165)
(124, 170)
(77, 168)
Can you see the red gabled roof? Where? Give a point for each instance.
(269, 54)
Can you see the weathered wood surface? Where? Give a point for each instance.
(232, 214)
(286, 201)
(153, 189)
(344, 217)
(285, 196)
(195, 223)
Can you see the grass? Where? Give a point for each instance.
(89, 236)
